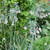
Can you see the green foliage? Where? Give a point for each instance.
(24, 25)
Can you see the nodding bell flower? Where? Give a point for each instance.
(0, 20)
(42, 16)
(39, 36)
(34, 33)
(40, 29)
(12, 10)
(32, 13)
(10, 17)
(3, 39)
(30, 31)
(48, 13)
(43, 10)
(6, 21)
(15, 18)
(18, 11)
(25, 28)
(45, 43)
(12, 23)
(37, 32)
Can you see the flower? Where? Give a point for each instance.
(6, 21)
(40, 29)
(43, 10)
(0, 20)
(18, 11)
(12, 23)
(27, 39)
(31, 13)
(25, 28)
(41, 16)
(12, 10)
(37, 14)
(34, 33)
(45, 43)
(38, 4)
(38, 32)
(15, 18)
(30, 31)
(3, 39)
(10, 17)
(44, 16)
(39, 36)
(48, 13)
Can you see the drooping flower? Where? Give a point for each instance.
(15, 18)
(40, 29)
(6, 21)
(3, 39)
(48, 13)
(45, 43)
(30, 31)
(12, 10)
(42, 15)
(25, 28)
(39, 36)
(34, 33)
(38, 32)
(32, 13)
(10, 17)
(12, 23)
(0, 20)
(38, 4)
(18, 11)
(43, 10)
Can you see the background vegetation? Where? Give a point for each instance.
(24, 25)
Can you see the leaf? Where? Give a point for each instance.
(47, 8)
(23, 44)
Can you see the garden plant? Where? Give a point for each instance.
(24, 24)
